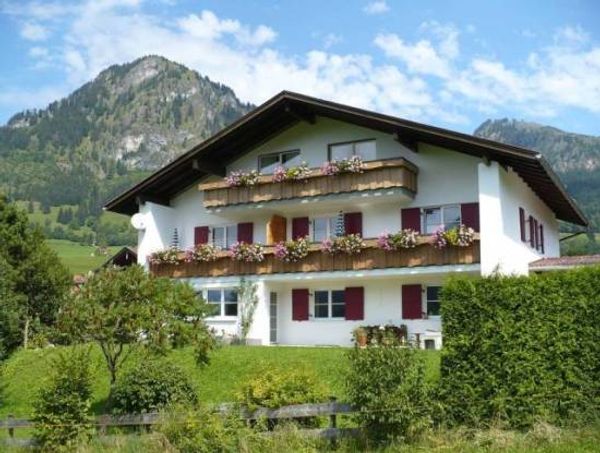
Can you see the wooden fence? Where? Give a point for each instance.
(102, 422)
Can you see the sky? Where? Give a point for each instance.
(447, 63)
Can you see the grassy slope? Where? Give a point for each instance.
(25, 372)
(77, 257)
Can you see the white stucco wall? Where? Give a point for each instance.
(501, 194)
(159, 223)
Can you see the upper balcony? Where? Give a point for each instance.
(390, 175)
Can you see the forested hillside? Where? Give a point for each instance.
(107, 135)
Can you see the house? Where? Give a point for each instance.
(125, 257)
(412, 176)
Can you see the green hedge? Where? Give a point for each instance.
(521, 349)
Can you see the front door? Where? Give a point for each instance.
(273, 318)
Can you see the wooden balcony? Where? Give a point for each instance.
(372, 257)
(377, 175)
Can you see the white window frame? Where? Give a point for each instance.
(330, 304)
(442, 209)
(222, 302)
(352, 143)
(279, 155)
(332, 221)
(225, 227)
(433, 301)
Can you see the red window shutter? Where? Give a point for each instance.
(522, 224)
(299, 227)
(355, 303)
(299, 304)
(245, 232)
(411, 218)
(469, 213)
(200, 235)
(353, 223)
(412, 302)
(542, 239)
(531, 232)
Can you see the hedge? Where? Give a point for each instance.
(521, 349)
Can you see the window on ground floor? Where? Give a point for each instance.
(222, 301)
(330, 304)
(433, 300)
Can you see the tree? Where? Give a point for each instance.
(33, 271)
(127, 309)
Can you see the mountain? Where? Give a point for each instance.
(575, 157)
(567, 152)
(110, 133)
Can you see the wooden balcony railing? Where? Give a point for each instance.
(377, 175)
(372, 257)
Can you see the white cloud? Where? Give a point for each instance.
(376, 7)
(426, 79)
(32, 31)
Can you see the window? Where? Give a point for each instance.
(433, 300)
(330, 304)
(222, 301)
(443, 216)
(224, 236)
(267, 163)
(365, 149)
(323, 228)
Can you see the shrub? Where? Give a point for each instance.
(150, 386)
(351, 244)
(521, 349)
(382, 334)
(168, 256)
(275, 388)
(405, 239)
(61, 410)
(292, 251)
(202, 253)
(386, 383)
(248, 253)
(242, 179)
(202, 430)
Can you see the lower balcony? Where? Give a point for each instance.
(371, 257)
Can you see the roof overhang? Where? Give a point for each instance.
(286, 109)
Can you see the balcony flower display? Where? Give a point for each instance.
(168, 256)
(291, 251)
(242, 178)
(248, 253)
(298, 173)
(461, 236)
(351, 244)
(404, 239)
(354, 164)
(202, 253)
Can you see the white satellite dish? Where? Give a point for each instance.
(138, 221)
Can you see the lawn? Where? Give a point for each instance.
(25, 372)
(79, 258)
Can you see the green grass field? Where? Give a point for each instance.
(79, 258)
(25, 372)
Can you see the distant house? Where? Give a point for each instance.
(414, 176)
(125, 257)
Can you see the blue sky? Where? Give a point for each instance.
(448, 63)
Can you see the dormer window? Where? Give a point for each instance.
(365, 149)
(267, 163)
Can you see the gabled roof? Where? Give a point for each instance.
(286, 109)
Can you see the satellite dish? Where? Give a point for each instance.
(138, 221)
